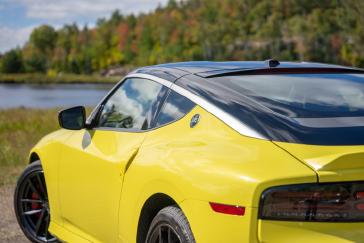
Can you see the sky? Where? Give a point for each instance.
(19, 17)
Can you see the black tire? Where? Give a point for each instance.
(171, 225)
(31, 204)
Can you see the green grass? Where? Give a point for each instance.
(20, 130)
(40, 78)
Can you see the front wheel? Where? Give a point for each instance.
(31, 204)
(170, 225)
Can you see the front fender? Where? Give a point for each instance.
(48, 150)
(41, 146)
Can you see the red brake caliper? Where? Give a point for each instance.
(34, 205)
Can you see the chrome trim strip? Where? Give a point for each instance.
(217, 112)
(150, 77)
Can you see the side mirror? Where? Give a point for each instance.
(73, 118)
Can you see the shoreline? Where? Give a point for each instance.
(37, 78)
(57, 82)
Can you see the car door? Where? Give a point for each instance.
(94, 160)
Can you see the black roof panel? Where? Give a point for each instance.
(208, 68)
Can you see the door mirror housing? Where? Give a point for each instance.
(73, 118)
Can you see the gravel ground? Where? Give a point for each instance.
(9, 229)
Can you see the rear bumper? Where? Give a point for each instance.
(282, 231)
(211, 227)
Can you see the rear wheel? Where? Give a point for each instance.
(31, 204)
(170, 225)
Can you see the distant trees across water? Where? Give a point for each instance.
(325, 31)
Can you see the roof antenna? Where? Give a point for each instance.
(272, 63)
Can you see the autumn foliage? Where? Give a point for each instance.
(324, 31)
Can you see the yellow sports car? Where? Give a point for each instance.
(206, 152)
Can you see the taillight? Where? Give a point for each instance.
(323, 202)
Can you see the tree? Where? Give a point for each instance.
(44, 38)
(35, 63)
(184, 30)
(12, 62)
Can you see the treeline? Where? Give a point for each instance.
(326, 31)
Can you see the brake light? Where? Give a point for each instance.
(227, 209)
(342, 202)
(360, 206)
(359, 195)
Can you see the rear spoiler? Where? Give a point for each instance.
(267, 71)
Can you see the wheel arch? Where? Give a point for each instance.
(33, 157)
(151, 207)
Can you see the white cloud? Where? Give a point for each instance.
(58, 13)
(56, 10)
(172, 110)
(147, 91)
(10, 37)
(122, 106)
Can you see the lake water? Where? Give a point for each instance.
(49, 96)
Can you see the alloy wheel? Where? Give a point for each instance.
(164, 233)
(32, 207)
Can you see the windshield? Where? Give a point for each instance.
(321, 109)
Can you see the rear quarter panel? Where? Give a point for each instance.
(207, 163)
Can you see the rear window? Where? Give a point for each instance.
(304, 95)
(323, 109)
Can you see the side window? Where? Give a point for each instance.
(128, 106)
(175, 107)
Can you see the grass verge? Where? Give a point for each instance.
(20, 130)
